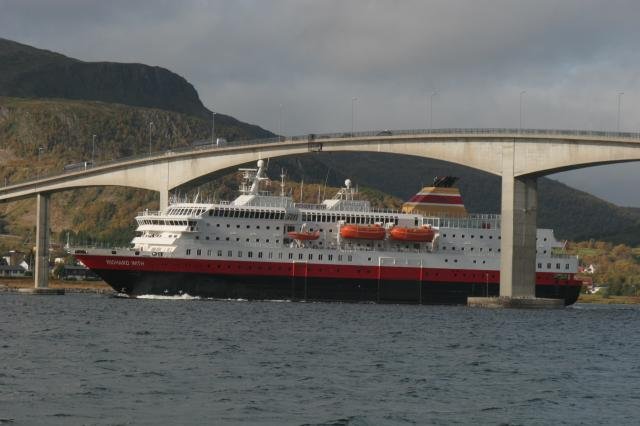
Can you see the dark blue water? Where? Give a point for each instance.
(92, 359)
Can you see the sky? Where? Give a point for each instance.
(295, 66)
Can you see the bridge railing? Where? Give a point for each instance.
(310, 137)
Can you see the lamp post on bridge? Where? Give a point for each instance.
(521, 95)
(280, 123)
(434, 93)
(619, 108)
(93, 150)
(40, 151)
(353, 113)
(150, 124)
(213, 128)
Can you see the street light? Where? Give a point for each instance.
(619, 108)
(280, 123)
(353, 113)
(40, 151)
(521, 94)
(93, 150)
(150, 124)
(434, 93)
(213, 128)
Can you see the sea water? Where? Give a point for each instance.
(86, 359)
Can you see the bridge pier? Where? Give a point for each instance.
(518, 248)
(518, 237)
(41, 275)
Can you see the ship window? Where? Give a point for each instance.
(299, 256)
(277, 241)
(248, 226)
(481, 236)
(350, 258)
(279, 255)
(490, 249)
(250, 254)
(310, 256)
(290, 255)
(228, 225)
(277, 228)
(330, 257)
(258, 227)
(239, 253)
(473, 236)
(267, 240)
(219, 252)
(566, 266)
(320, 258)
(557, 266)
(270, 255)
(188, 252)
(415, 221)
(210, 212)
(548, 266)
(539, 265)
(199, 252)
(491, 237)
(227, 238)
(446, 260)
(197, 237)
(339, 258)
(259, 255)
(208, 252)
(247, 240)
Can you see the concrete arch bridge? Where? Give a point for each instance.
(519, 156)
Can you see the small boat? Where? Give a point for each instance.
(422, 235)
(304, 235)
(362, 232)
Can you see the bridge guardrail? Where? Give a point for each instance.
(354, 135)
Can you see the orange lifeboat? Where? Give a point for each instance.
(362, 232)
(304, 235)
(419, 235)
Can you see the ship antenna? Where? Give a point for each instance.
(282, 175)
(324, 191)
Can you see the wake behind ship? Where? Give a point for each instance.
(265, 246)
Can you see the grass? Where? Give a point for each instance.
(610, 300)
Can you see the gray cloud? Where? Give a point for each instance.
(248, 57)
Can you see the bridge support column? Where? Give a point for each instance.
(518, 243)
(42, 241)
(41, 276)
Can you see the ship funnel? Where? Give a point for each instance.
(441, 199)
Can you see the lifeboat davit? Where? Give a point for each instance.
(304, 235)
(362, 232)
(421, 235)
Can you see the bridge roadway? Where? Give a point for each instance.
(518, 156)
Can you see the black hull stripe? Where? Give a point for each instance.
(322, 289)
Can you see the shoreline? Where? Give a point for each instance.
(12, 285)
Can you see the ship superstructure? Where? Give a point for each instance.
(265, 246)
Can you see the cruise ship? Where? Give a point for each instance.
(264, 246)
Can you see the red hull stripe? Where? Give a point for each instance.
(439, 199)
(309, 270)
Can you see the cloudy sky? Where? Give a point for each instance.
(304, 61)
